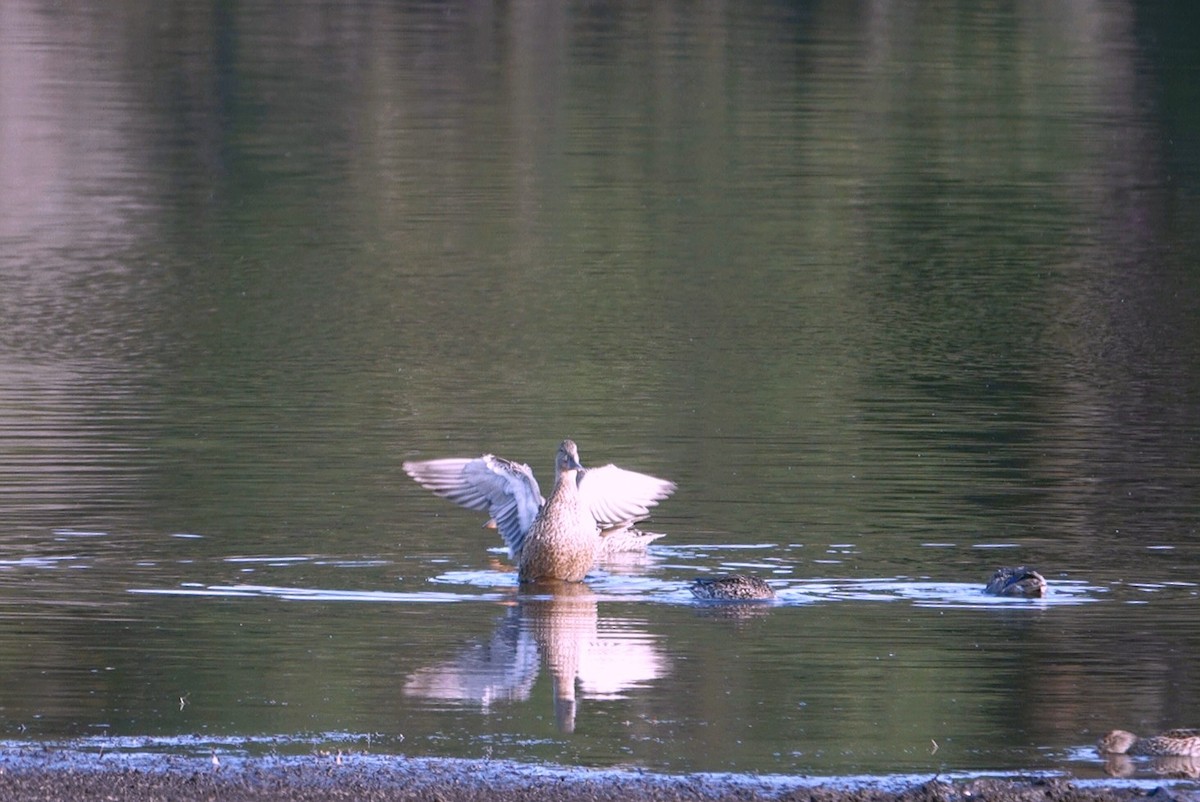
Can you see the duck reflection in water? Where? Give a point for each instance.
(558, 624)
(1162, 766)
(1167, 766)
(589, 515)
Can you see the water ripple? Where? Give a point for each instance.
(305, 594)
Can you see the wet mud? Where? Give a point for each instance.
(30, 775)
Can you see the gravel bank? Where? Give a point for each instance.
(31, 775)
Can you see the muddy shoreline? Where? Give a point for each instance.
(33, 774)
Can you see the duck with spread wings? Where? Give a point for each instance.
(590, 513)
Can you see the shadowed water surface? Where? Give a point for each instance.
(896, 296)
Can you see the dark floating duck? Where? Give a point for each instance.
(1176, 743)
(732, 587)
(1019, 582)
(591, 512)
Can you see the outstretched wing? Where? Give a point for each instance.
(505, 489)
(617, 497)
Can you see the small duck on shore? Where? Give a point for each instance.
(732, 587)
(1019, 582)
(1177, 743)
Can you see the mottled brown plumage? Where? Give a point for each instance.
(1019, 582)
(732, 587)
(1180, 743)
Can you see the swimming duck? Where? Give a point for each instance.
(1180, 743)
(590, 512)
(1020, 581)
(732, 587)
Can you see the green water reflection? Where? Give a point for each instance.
(895, 295)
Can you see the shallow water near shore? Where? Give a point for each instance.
(839, 676)
(895, 296)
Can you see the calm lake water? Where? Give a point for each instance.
(896, 295)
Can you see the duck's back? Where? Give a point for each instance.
(732, 587)
(1174, 742)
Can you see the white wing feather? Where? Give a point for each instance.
(507, 490)
(618, 497)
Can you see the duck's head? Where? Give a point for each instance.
(1116, 742)
(568, 457)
